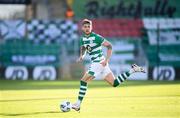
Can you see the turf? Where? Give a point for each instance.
(133, 99)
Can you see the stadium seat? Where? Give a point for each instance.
(118, 27)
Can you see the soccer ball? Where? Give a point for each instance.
(65, 106)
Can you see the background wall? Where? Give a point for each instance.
(42, 40)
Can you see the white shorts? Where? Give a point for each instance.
(97, 70)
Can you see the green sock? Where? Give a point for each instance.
(121, 78)
(82, 91)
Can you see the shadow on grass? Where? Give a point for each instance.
(35, 99)
(33, 113)
(40, 85)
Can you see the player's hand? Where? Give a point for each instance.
(80, 59)
(104, 62)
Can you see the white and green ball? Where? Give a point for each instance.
(65, 106)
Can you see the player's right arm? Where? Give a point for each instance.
(82, 53)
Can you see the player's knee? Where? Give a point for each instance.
(84, 79)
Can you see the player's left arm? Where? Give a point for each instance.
(108, 45)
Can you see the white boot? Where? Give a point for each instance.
(136, 68)
(76, 106)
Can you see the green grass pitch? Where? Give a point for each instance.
(133, 99)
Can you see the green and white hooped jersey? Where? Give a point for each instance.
(93, 43)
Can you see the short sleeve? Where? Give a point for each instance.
(100, 39)
(81, 42)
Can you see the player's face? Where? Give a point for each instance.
(87, 28)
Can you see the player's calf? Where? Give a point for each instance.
(82, 91)
(122, 77)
